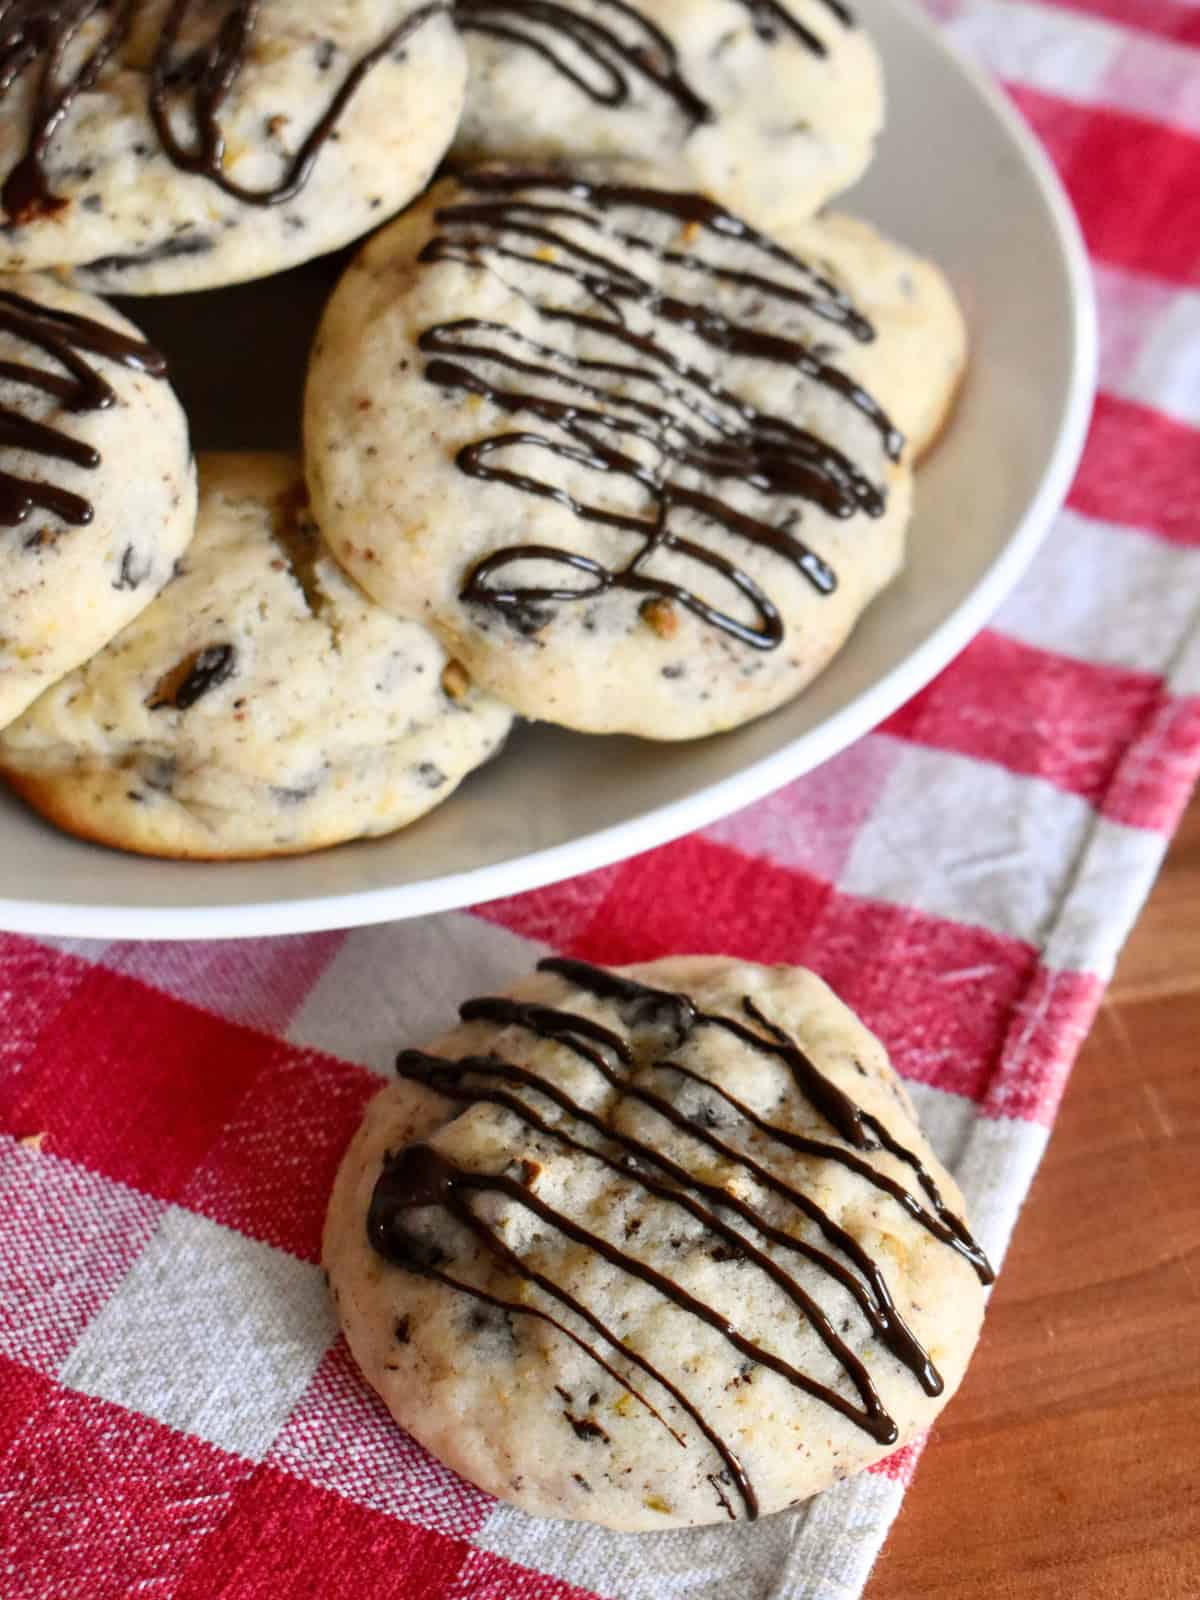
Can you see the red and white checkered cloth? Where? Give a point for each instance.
(177, 1418)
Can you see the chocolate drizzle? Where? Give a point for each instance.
(604, 49)
(639, 49)
(39, 34)
(421, 1177)
(209, 74)
(67, 339)
(637, 411)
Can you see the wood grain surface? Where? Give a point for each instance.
(1069, 1463)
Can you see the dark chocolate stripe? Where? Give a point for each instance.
(67, 339)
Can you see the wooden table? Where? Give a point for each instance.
(1069, 1463)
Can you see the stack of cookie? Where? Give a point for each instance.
(615, 427)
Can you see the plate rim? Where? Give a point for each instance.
(621, 840)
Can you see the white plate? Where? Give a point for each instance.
(957, 176)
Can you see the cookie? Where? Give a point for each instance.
(653, 1247)
(261, 706)
(768, 106)
(97, 487)
(182, 144)
(916, 362)
(579, 427)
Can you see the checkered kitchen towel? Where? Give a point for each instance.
(177, 1418)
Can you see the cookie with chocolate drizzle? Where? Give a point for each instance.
(603, 440)
(769, 106)
(97, 487)
(654, 1247)
(155, 146)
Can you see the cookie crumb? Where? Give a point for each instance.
(34, 1141)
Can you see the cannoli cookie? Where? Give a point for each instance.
(580, 428)
(654, 1247)
(261, 706)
